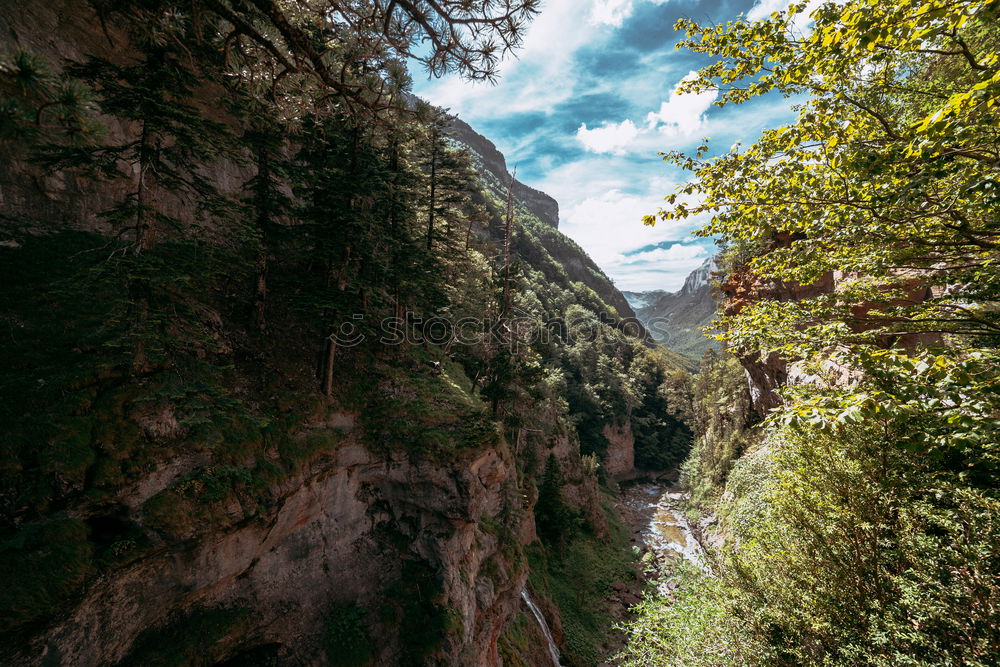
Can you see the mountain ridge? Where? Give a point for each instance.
(676, 319)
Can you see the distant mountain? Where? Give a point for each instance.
(643, 299)
(675, 319)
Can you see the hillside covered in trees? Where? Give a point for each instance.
(296, 372)
(293, 372)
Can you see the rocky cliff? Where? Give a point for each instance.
(492, 165)
(214, 508)
(765, 376)
(318, 548)
(575, 264)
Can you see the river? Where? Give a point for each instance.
(659, 526)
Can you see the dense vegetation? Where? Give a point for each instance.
(260, 193)
(860, 247)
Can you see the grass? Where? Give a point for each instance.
(516, 641)
(425, 409)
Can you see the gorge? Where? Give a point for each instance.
(297, 370)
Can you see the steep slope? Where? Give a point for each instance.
(676, 319)
(213, 504)
(492, 164)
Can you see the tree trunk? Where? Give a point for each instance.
(139, 288)
(331, 353)
(260, 302)
(508, 230)
(145, 230)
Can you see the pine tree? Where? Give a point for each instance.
(37, 105)
(161, 158)
(267, 199)
(554, 519)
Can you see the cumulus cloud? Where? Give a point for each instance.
(609, 138)
(664, 267)
(802, 25)
(610, 12)
(682, 114)
(764, 8)
(540, 77)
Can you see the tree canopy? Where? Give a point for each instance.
(860, 248)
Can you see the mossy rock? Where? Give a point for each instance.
(346, 638)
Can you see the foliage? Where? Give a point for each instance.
(196, 638)
(577, 577)
(887, 176)
(860, 245)
(36, 104)
(555, 519)
(863, 556)
(690, 626)
(263, 181)
(721, 415)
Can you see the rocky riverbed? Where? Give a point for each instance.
(660, 528)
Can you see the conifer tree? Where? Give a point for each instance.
(165, 145)
(38, 105)
(553, 516)
(267, 199)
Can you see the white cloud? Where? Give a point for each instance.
(604, 192)
(662, 268)
(602, 199)
(801, 25)
(538, 78)
(764, 8)
(610, 12)
(682, 114)
(678, 252)
(609, 138)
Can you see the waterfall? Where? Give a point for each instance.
(553, 649)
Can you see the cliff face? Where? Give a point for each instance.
(493, 166)
(213, 545)
(320, 545)
(766, 375)
(575, 264)
(620, 458)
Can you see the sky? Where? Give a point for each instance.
(584, 108)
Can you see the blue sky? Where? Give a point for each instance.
(583, 110)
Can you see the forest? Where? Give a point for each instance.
(213, 211)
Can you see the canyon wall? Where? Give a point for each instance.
(416, 557)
